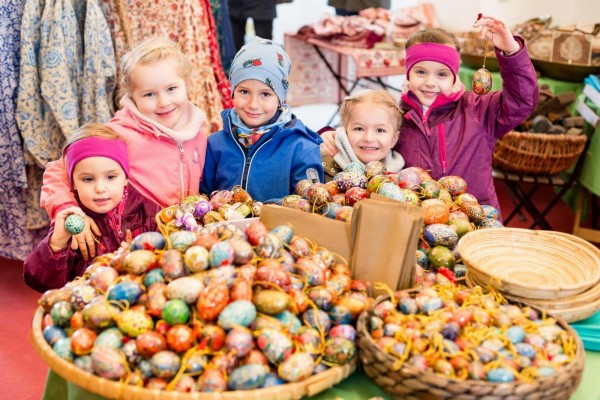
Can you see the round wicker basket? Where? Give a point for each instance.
(537, 153)
(531, 264)
(409, 383)
(116, 390)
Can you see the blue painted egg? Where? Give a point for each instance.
(61, 313)
(356, 167)
(221, 254)
(165, 364)
(148, 241)
(272, 379)
(440, 235)
(74, 224)
(516, 334)
(500, 374)
(490, 223)
(182, 240)
(317, 319)
(85, 363)
(490, 211)
(289, 320)
(62, 348)
(154, 276)
(126, 291)
(250, 376)
(340, 314)
(422, 259)
(285, 233)
(52, 333)
(241, 313)
(392, 191)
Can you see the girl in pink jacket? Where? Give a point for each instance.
(166, 134)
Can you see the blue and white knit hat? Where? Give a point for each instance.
(265, 61)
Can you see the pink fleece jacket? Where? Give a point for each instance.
(166, 164)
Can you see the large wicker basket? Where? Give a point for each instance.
(409, 383)
(537, 153)
(116, 390)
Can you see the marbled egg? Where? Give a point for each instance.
(82, 341)
(108, 362)
(139, 261)
(270, 301)
(240, 340)
(176, 312)
(148, 241)
(53, 333)
(409, 179)
(241, 312)
(356, 167)
(242, 251)
(165, 364)
(275, 345)
(180, 338)
(103, 277)
(317, 319)
(125, 291)
(430, 189)
(455, 185)
(171, 263)
(182, 240)
(61, 313)
(211, 301)
(490, 211)
(297, 367)
(187, 289)
(99, 314)
(392, 191)
(344, 214)
(250, 376)
(221, 254)
(212, 380)
(154, 276)
(339, 350)
(345, 330)
(196, 259)
(111, 337)
(62, 348)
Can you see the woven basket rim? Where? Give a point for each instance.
(116, 390)
(415, 373)
(507, 242)
(566, 312)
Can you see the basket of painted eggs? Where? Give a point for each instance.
(223, 313)
(452, 342)
(449, 211)
(199, 210)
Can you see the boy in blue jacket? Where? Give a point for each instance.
(263, 147)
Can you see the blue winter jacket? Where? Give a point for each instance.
(270, 168)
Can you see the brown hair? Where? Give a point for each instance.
(379, 97)
(151, 50)
(433, 35)
(91, 129)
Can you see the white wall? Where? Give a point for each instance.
(452, 14)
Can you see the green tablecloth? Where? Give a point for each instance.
(356, 387)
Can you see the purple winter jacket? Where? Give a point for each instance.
(456, 135)
(43, 269)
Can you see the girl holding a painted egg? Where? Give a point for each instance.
(98, 169)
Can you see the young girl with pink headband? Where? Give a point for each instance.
(450, 131)
(97, 165)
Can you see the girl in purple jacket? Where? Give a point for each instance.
(98, 169)
(450, 131)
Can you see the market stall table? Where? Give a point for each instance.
(323, 72)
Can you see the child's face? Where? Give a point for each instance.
(255, 102)
(100, 182)
(371, 130)
(428, 79)
(159, 92)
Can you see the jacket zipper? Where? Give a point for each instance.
(182, 158)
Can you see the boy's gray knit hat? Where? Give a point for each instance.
(265, 61)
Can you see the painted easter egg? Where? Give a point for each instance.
(212, 380)
(239, 339)
(455, 185)
(61, 313)
(332, 188)
(139, 261)
(461, 198)
(285, 233)
(187, 289)
(490, 223)
(461, 226)
(81, 296)
(212, 300)
(482, 81)
(180, 338)
(148, 241)
(441, 256)
(165, 364)
(111, 337)
(181, 240)
(108, 362)
(322, 298)
(196, 259)
(440, 234)
(354, 195)
(269, 246)
(62, 348)
(355, 166)
(133, 323)
(270, 301)
(175, 312)
(339, 350)
(218, 198)
(250, 376)
(211, 336)
(82, 341)
(201, 208)
(317, 195)
(392, 191)
(99, 314)
(344, 214)
(490, 211)
(344, 330)
(125, 291)
(346, 180)
(103, 277)
(411, 197)
(74, 224)
(171, 263)
(430, 189)
(340, 314)
(435, 213)
(242, 251)
(374, 168)
(473, 211)
(53, 333)
(240, 313)
(317, 319)
(375, 182)
(302, 186)
(289, 320)
(409, 178)
(297, 367)
(275, 345)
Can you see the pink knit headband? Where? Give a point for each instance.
(96, 147)
(433, 52)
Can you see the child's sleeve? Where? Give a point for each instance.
(56, 191)
(308, 167)
(43, 269)
(207, 183)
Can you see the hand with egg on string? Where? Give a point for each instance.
(498, 33)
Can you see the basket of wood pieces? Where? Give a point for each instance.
(547, 143)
